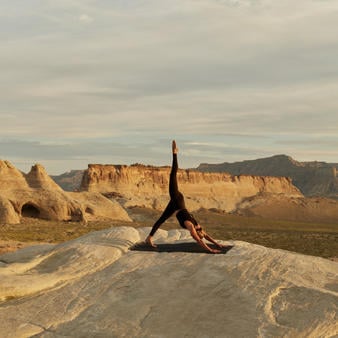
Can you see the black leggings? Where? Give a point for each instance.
(176, 198)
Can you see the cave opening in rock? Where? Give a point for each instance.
(89, 211)
(30, 210)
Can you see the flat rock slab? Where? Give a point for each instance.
(101, 285)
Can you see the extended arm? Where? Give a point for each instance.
(195, 236)
(210, 239)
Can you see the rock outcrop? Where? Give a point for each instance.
(95, 286)
(38, 178)
(281, 207)
(312, 178)
(10, 177)
(147, 186)
(36, 195)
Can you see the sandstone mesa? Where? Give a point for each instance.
(312, 178)
(147, 186)
(262, 196)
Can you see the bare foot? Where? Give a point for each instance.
(149, 241)
(174, 147)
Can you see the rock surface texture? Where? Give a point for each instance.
(36, 195)
(95, 286)
(147, 186)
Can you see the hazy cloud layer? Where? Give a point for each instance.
(115, 81)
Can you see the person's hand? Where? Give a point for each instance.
(215, 251)
(149, 241)
(221, 246)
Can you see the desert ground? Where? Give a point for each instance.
(97, 279)
(317, 239)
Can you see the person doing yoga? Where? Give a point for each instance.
(177, 205)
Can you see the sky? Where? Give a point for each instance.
(114, 81)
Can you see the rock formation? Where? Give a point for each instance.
(312, 178)
(38, 178)
(10, 177)
(147, 186)
(95, 286)
(36, 195)
(281, 207)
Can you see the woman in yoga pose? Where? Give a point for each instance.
(177, 205)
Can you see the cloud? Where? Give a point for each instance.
(60, 156)
(86, 18)
(248, 75)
